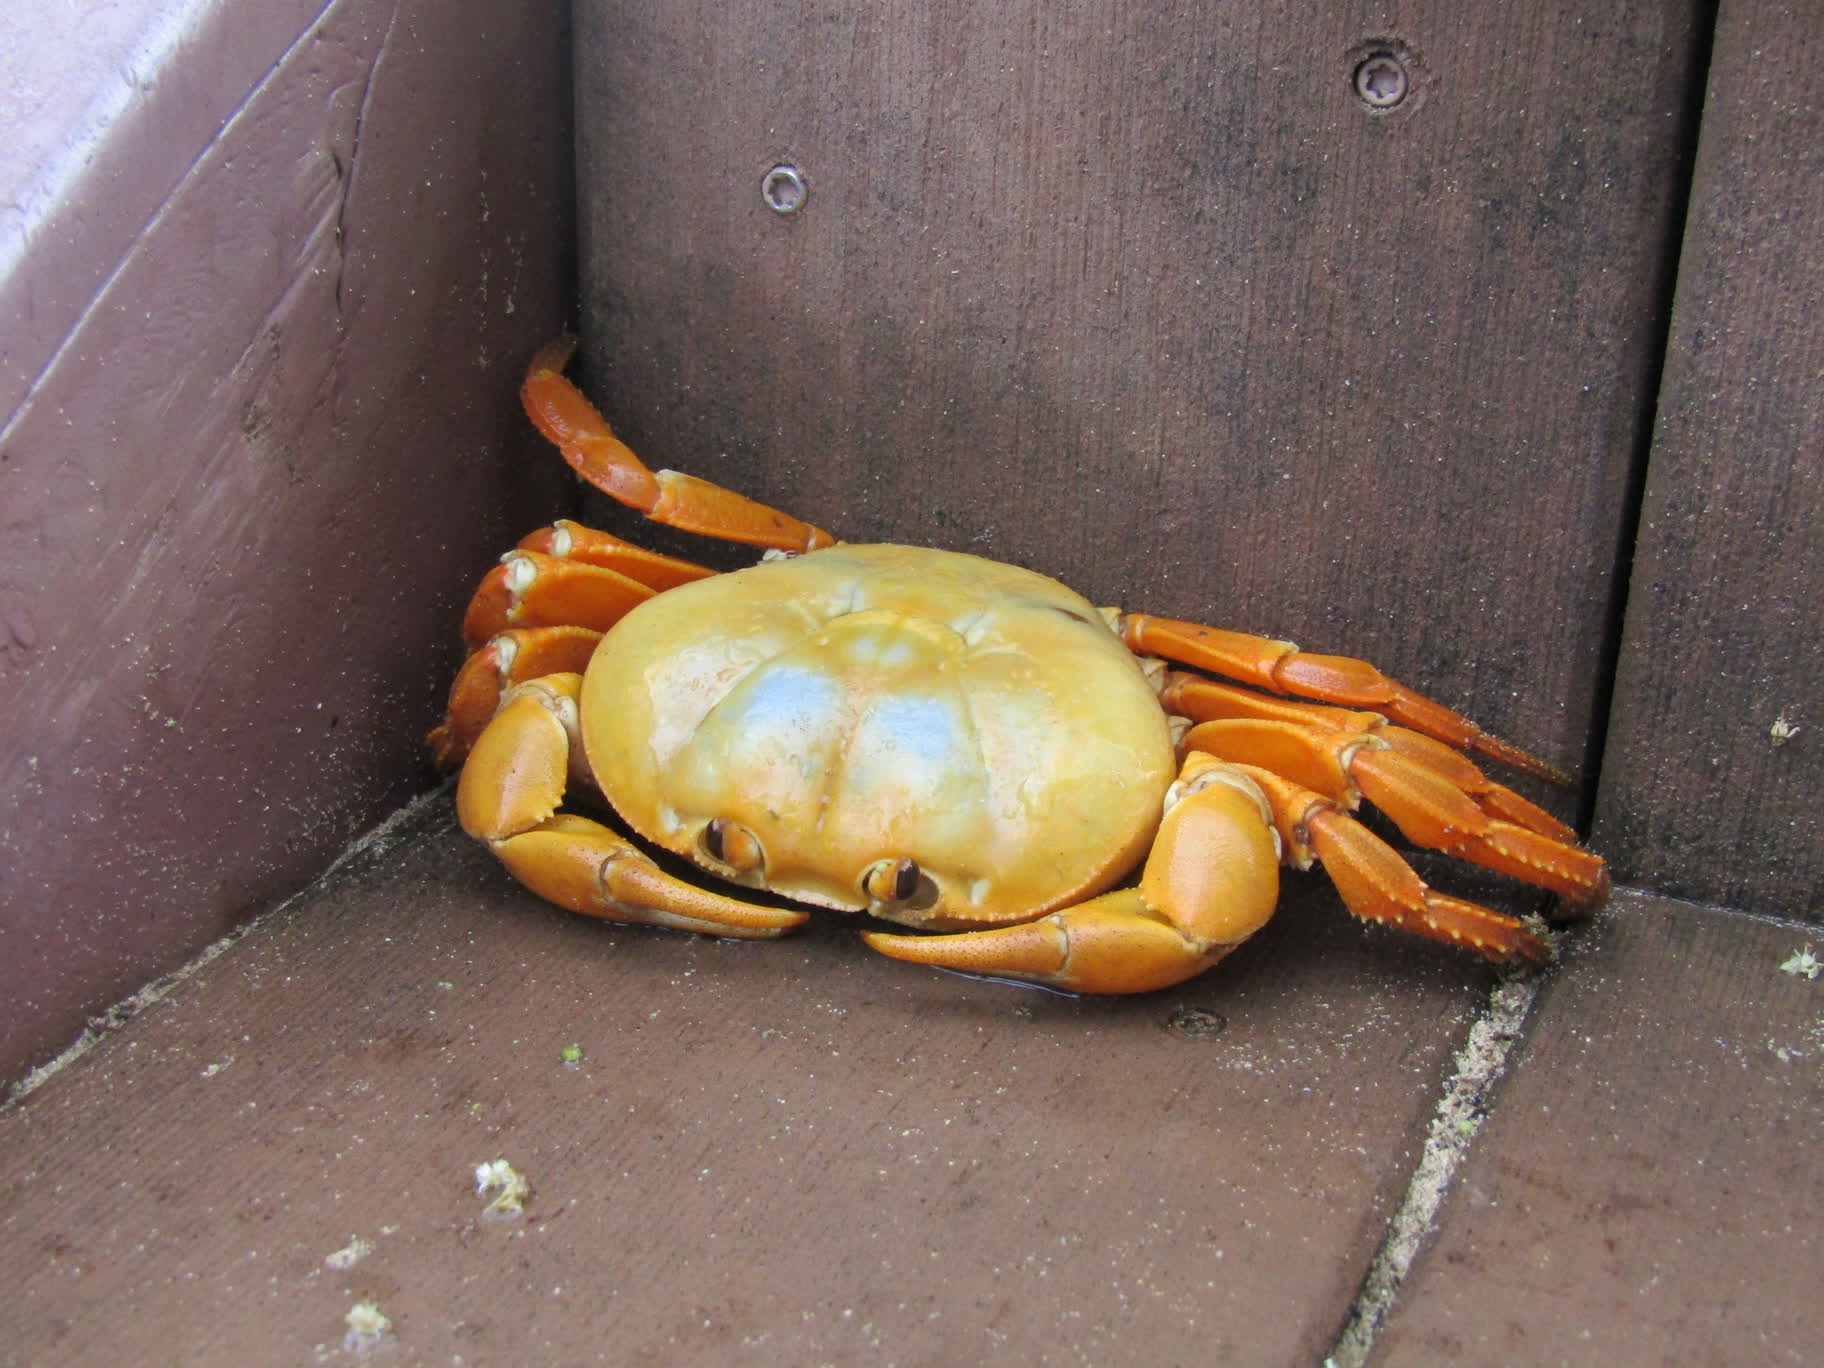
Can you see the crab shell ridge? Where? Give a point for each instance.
(868, 703)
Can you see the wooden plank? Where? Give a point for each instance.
(1151, 300)
(795, 1152)
(248, 493)
(104, 118)
(1707, 788)
(1646, 1190)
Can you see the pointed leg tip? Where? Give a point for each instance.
(1591, 900)
(914, 949)
(1529, 951)
(1026, 950)
(1102, 946)
(1521, 761)
(554, 355)
(447, 751)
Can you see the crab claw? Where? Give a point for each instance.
(508, 796)
(1111, 944)
(586, 867)
(1211, 882)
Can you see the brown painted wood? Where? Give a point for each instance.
(106, 110)
(1646, 1191)
(1151, 300)
(245, 499)
(1701, 796)
(796, 1152)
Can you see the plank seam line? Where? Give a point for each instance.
(1615, 615)
(1462, 1110)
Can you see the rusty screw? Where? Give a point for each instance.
(784, 190)
(1381, 80)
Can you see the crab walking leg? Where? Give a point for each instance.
(1427, 806)
(568, 574)
(541, 611)
(509, 658)
(1211, 881)
(572, 423)
(1283, 668)
(573, 541)
(508, 797)
(1205, 700)
(530, 589)
(1377, 885)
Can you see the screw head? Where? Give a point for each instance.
(1381, 80)
(784, 190)
(1196, 1023)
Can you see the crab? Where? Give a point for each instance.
(1094, 800)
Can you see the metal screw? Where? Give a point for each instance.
(1381, 80)
(784, 189)
(1196, 1023)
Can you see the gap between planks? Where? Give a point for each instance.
(1462, 1110)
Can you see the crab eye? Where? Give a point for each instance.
(731, 845)
(900, 882)
(905, 880)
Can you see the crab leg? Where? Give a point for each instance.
(541, 611)
(1377, 885)
(1205, 700)
(570, 574)
(1426, 806)
(1211, 881)
(569, 420)
(509, 658)
(528, 589)
(573, 541)
(534, 614)
(1283, 668)
(508, 796)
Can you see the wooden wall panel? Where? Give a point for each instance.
(1150, 299)
(1709, 789)
(245, 495)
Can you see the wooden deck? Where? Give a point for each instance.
(800, 1153)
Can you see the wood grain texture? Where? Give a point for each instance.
(767, 1153)
(106, 108)
(1151, 300)
(245, 501)
(1724, 641)
(1645, 1192)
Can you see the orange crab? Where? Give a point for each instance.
(945, 742)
